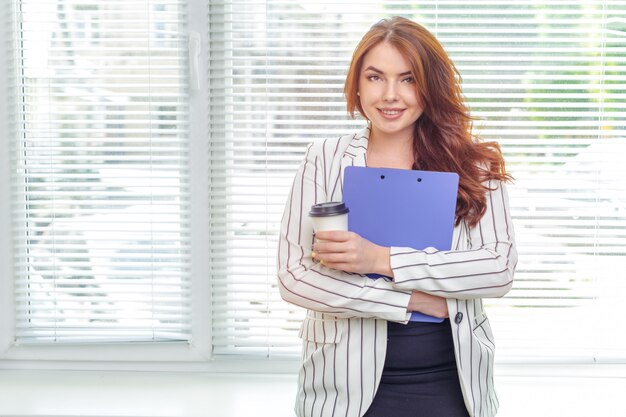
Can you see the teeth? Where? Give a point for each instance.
(391, 112)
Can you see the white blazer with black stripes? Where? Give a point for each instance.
(345, 330)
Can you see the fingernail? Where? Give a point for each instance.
(312, 254)
(323, 263)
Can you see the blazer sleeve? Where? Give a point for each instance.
(305, 282)
(484, 270)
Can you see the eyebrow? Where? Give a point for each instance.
(371, 68)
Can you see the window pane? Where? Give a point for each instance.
(101, 184)
(547, 80)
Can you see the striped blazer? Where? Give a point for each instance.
(344, 332)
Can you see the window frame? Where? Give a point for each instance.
(57, 356)
(546, 355)
(194, 356)
(7, 315)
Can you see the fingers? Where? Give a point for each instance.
(428, 304)
(335, 241)
(343, 261)
(333, 258)
(341, 250)
(330, 247)
(334, 235)
(341, 265)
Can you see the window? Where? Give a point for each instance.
(153, 143)
(99, 172)
(545, 79)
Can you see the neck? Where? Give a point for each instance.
(384, 144)
(390, 152)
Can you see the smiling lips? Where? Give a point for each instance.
(390, 114)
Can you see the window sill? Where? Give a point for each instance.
(549, 391)
(154, 394)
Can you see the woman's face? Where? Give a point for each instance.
(388, 93)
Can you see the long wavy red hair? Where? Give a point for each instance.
(442, 138)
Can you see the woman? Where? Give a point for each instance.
(360, 355)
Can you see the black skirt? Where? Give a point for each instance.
(420, 377)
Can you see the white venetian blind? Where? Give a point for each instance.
(547, 79)
(100, 186)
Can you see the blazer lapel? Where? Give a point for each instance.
(356, 153)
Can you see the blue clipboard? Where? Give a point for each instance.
(398, 207)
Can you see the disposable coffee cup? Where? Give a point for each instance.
(329, 216)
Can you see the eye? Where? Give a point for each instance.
(373, 77)
(409, 80)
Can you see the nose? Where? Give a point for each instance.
(390, 93)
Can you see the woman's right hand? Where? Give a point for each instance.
(349, 252)
(428, 304)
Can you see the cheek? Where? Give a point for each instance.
(365, 91)
(411, 98)
(366, 98)
(362, 87)
(367, 110)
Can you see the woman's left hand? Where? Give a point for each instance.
(349, 252)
